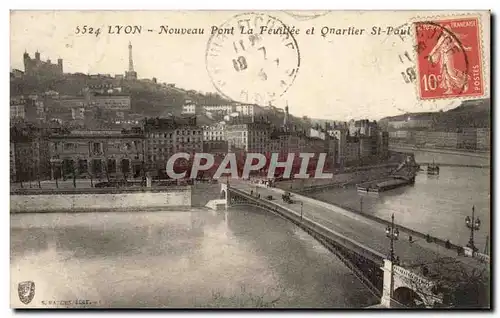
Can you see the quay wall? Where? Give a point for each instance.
(339, 179)
(90, 200)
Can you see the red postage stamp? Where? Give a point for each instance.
(449, 58)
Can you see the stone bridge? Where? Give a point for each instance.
(395, 285)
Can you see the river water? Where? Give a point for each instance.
(195, 258)
(436, 205)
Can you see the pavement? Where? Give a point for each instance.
(368, 232)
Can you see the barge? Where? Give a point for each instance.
(383, 185)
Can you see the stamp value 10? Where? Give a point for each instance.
(449, 58)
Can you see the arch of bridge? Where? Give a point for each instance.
(413, 287)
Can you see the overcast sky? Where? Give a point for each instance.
(340, 77)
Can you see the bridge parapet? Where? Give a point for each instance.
(405, 288)
(362, 260)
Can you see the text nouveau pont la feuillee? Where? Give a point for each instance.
(243, 30)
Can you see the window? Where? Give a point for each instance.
(97, 166)
(125, 166)
(111, 166)
(69, 146)
(97, 147)
(82, 166)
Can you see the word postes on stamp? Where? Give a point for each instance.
(449, 58)
(253, 58)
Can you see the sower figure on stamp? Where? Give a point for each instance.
(443, 53)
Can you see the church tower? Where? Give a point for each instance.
(130, 74)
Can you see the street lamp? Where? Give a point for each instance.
(473, 224)
(301, 209)
(361, 204)
(393, 234)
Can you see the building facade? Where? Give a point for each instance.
(29, 155)
(167, 136)
(249, 137)
(110, 154)
(483, 139)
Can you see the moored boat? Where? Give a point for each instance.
(433, 168)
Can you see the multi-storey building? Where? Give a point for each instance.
(383, 144)
(248, 137)
(214, 132)
(17, 111)
(367, 146)
(30, 108)
(363, 127)
(28, 153)
(352, 151)
(12, 162)
(340, 134)
(111, 102)
(317, 132)
(225, 109)
(483, 138)
(437, 138)
(214, 139)
(190, 108)
(467, 138)
(407, 121)
(166, 136)
(97, 153)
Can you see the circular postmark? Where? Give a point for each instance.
(442, 60)
(252, 58)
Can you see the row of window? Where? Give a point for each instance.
(177, 147)
(177, 132)
(180, 139)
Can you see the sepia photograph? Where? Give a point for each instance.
(250, 159)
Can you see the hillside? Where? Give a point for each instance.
(474, 113)
(147, 98)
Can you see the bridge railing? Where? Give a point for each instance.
(333, 241)
(305, 221)
(347, 211)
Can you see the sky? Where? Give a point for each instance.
(341, 77)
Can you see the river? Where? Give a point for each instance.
(436, 205)
(181, 259)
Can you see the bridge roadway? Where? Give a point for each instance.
(366, 231)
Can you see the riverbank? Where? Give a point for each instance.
(361, 174)
(480, 154)
(110, 199)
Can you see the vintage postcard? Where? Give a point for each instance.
(250, 159)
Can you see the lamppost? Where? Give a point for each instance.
(361, 204)
(393, 234)
(473, 224)
(301, 209)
